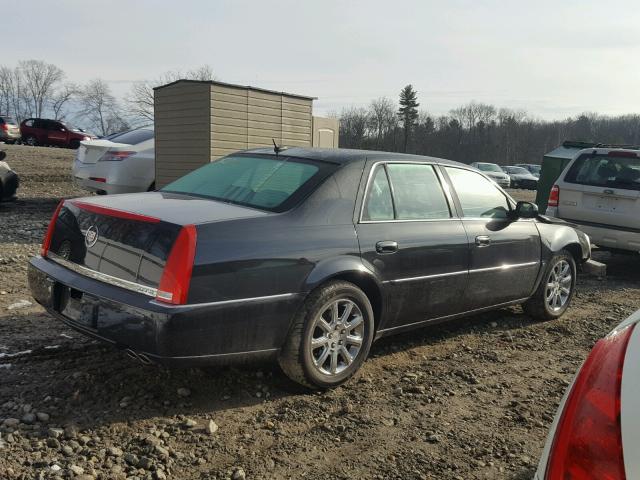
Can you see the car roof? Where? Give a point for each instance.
(344, 156)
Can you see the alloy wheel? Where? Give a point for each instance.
(337, 336)
(559, 284)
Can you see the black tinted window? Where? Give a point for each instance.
(378, 205)
(606, 171)
(478, 196)
(417, 192)
(268, 183)
(132, 137)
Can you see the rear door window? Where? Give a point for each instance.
(613, 170)
(478, 196)
(417, 192)
(379, 204)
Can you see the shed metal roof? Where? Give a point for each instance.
(233, 85)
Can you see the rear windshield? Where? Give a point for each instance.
(267, 183)
(132, 137)
(606, 171)
(489, 167)
(516, 170)
(7, 120)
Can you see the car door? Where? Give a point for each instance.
(504, 252)
(410, 237)
(56, 133)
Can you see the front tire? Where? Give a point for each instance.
(330, 337)
(556, 289)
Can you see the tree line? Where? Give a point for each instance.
(38, 89)
(475, 132)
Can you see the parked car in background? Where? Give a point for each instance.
(42, 131)
(8, 179)
(121, 163)
(532, 168)
(301, 255)
(596, 432)
(494, 172)
(521, 177)
(599, 192)
(9, 129)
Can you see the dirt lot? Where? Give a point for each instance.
(469, 399)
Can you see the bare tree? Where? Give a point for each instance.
(382, 118)
(140, 99)
(63, 96)
(40, 80)
(100, 107)
(13, 100)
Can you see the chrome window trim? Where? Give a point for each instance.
(103, 277)
(443, 185)
(505, 267)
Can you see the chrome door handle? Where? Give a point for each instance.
(483, 240)
(387, 246)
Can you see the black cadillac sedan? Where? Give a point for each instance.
(303, 255)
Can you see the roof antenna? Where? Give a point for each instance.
(276, 148)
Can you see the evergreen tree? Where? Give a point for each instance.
(408, 111)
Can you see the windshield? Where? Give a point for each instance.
(267, 183)
(8, 120)
(606, 171)
(535, 169)
(489, 167)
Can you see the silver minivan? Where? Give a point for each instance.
(599, 191)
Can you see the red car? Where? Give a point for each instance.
(40, 131)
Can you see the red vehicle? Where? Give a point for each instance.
(40, 131)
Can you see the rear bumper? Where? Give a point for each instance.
(119, 177)
(189, 335)
(11, 136)
(605, 235)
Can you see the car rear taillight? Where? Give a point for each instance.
(4, 127)
(115, 156)
(174, 284)
(554, 196)
(112, 212)
(588, 441)
(98, 179)
(619, 153)
(46, 243)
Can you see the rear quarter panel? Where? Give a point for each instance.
(290, 252)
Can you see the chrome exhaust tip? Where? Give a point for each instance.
(131, 354)
(144, 359)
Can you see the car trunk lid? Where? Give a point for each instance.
(90, 151)
(130, 237)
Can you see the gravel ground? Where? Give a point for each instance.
(468, 399)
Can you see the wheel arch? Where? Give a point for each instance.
(350, 269)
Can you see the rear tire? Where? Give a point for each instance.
(330, 336)
(31, 141)
(556, 289)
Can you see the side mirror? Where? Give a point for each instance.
(525, 210)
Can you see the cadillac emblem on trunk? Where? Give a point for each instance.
(91, 237)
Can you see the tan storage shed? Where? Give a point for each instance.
(199, 121)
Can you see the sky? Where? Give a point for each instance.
(552, 58)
